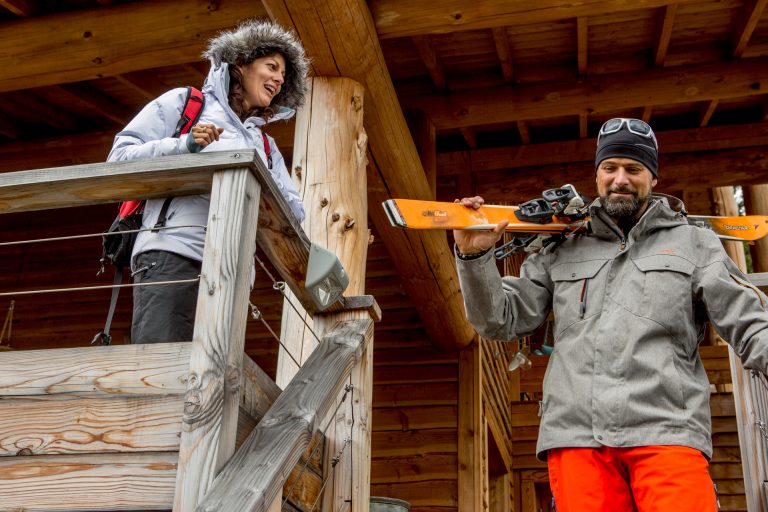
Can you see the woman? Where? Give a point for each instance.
(258, 75)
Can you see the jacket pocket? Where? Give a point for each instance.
(578, 294)
(667, 294)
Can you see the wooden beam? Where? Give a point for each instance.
(341, 40)
(329, 175)
(525, 136)
(138, 89)
(646, 115)
(756, 203)
(470, 136)
(471, 427)
(583, 125)
(68, 424)
(596, 94)
(8, 127)
(23, 8)
(751, 17)
(553, 153)
(661, 45)
(582, 43)
(706, 112)
(424, 137)
(285, 432)
(430, 59)
(21, 104)
(504, 51)
(103, 104)
(90, 43)
(396, 18)
(152, 369)
(209, 424)
(94, 483)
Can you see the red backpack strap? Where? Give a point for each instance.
(193, 107)
(267, 150)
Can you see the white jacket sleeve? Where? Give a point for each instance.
(149, 134)
(283, 179)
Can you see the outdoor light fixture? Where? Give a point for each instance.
(326, 278)
(520, 360)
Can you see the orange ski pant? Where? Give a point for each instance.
(641, 479)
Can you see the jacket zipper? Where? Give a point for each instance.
(583, 299)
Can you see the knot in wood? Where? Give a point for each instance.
(297, 170)
(192, 403)
(357, 103)
(24, 451)
(349, 223)
(323, 202)
(335, 217)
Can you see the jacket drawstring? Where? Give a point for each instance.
(583, 299)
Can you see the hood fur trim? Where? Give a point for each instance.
(253, 39)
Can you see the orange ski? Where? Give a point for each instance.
(416, 214)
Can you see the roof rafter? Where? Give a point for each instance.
(403, 18)
(661, 45)
(429, 57)
(582, 43)
(596, 94)
(754, 10)
(21, 8)
(91, 43)
(504, 51)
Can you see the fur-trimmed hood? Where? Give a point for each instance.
(253, 39)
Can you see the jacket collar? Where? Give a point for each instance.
(663, 212)
(217, 83)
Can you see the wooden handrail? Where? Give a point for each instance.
(279, 233)
(276, 444)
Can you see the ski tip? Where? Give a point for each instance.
(393, 213)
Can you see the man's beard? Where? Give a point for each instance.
(622, 208)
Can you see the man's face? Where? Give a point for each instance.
(624, 186)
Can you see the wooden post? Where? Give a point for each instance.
(211, 402)
(471, 446)
(756, 203)
(743, 397)
(329, 171)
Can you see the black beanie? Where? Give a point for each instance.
(625, 144)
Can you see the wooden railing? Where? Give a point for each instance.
(151, 426)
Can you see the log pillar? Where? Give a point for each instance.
(329, 169)
(756, 203)
(209, 422)
(744, 396)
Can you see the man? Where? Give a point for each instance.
(625, 420)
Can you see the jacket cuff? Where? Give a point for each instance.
(189, 142)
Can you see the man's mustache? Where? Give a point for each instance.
(622, 190)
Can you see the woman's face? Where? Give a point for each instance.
(262, 80)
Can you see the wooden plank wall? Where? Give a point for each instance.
(415, 393)
(725, 467)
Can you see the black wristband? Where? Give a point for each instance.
(471, 256)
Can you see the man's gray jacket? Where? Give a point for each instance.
(629, 315)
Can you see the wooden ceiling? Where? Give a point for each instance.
(515, 90)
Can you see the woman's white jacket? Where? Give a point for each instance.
(150, 134)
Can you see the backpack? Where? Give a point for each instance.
(119, 239)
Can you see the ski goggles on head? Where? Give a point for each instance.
(635, 126)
